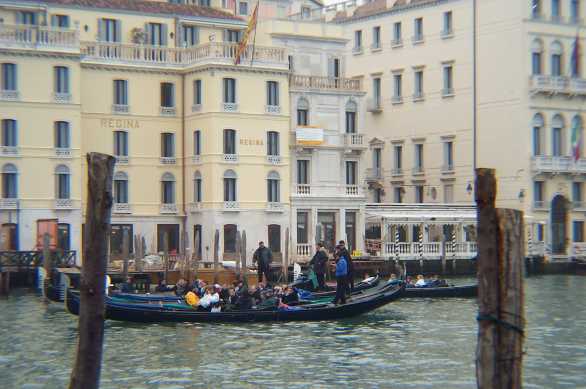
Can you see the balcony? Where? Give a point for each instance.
(397, 100)
(9, 151)
(552, 85)
(275, 207)
(357, 50)
(196, 158)
(374, 105)
(418, 96)
(304, 250)
(229, 107)
(302, 190)
(169, 208)
(316, 83)
(168, 111)
(196, 108)
(120, 109)
(354, 141)
(168, 160)
(397, 172)
(62, 152)
(8, 204)
(232, 158)
(376, 46)
(28, 37)
(352, 190)
(274, 159)
(417, 39)
(320, 190)
(396, 43)
(64, 204)
(121, 159)
(61, 98)
(273, 109)
(558, 165)
(9, 95)
(448, 168)
(539, 205)
(578, 205)
(121, 208)
(231, 206)
(195, 207)
(447, 33)
(374, 174)
(169, 57)
(418, 170)
(447, 92)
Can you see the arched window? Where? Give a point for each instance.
(63, 182)
(537, 125)
(577, 132)
(558, 136)
(557, 52)
(168, 188)
(9, 181)
(351, 109)
(302, 112)
(121, 188)
(273, 187)
(197, 187)
(536, 57)
(230, 185)
(9, 133)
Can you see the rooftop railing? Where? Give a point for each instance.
(38, 37)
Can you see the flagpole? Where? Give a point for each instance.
(254, 39)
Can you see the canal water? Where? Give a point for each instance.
(408, 344)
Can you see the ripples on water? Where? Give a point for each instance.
(408, 344)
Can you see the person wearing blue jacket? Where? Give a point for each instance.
(341, 280)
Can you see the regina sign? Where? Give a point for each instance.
(309, 136)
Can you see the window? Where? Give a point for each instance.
(273, 195)
(540, 233)
(9, 77)
(577, 194)
(376, 158)
(109, 30)
(62, 135)
(291, 62)
(168, 188)
(448, 193)
(555, 10)
(351, 173)
(189, 35)
(63, 234)
(334, 68)
(358, 40)
(273, 143)
(302, 112)
(229, 90)
(274, 235)
(61, 21)
(121, 188)
(243, 8)
(376, 91)
(156, 34)
(121, 143)
(302, 171)
(376, 37)
(448, 80)
(418, 91)
(198, 241)
(448, 29)
(448, 156)
(61, 80)
(272, 93)
(397, 87)
(557, 145)
(578, 231)
(63, 182)
(167, 95)
(171, 231)
(351, 109)
(232, 36)
(538, 135)
(419, 157)
(418, 30)
(229, 141)
(577, 131)
(26, 17)
(120, 92)
(197, 92)
(398, 159)
(419, 194)
(197, 142)
(117, 232)
(556, 59)
(536, 57)
(230, 231)
(378, 195)
(167, 145)
(204, 3)
(398, 194)
(197, 187)
(305, 12)
(397, 33)
(230, 185)
(9, 177)
(9, 133)
(538, 194)
(535, 9)
(574, 11)
(302, 227)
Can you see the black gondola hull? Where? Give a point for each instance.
(444, 291)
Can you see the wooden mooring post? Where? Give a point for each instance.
(501, 318)
(88, 360)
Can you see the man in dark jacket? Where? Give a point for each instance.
(263, 258)
(319, 262)
(346, 254)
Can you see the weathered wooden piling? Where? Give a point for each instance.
(88, 361)
(216, 255)
(165, 255)
(499, 354)
(125, 253)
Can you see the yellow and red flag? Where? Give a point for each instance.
(244, 41)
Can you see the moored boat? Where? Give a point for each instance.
(442, 291)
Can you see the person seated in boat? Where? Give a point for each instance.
(224, 293)
(393, 277)
(192, 299)
(290, 296)
(181, 287)
(368, 278)
(210, 298)
(245, 300)
(409, 281)
(162, 287)
(255, 293)
(420, 281)
(434, 282)
(127, 286)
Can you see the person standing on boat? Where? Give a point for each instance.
(341, 279)
(346, 254)
(263, 258)
(319, 262)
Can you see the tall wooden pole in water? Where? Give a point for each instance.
(499, 354)
(88, 361)
(216, 255)
(166, 255)
(47, 263)
(125, 252)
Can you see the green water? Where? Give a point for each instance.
(408, 344)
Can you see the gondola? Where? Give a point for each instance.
(153, 313)
(359, 287)
(441, 291)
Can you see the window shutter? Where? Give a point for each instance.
(19, 17)
(196, 35)
(172, 142)
(164, 34)
(117, 30)
(101, 30)
(54, 21)
(147, 33)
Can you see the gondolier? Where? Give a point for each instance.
(263, 258)
(318, 262)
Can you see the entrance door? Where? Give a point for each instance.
(172, 233)
(558, 225)
(327, 221)
(9, 237)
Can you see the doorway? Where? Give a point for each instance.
(559, 213)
